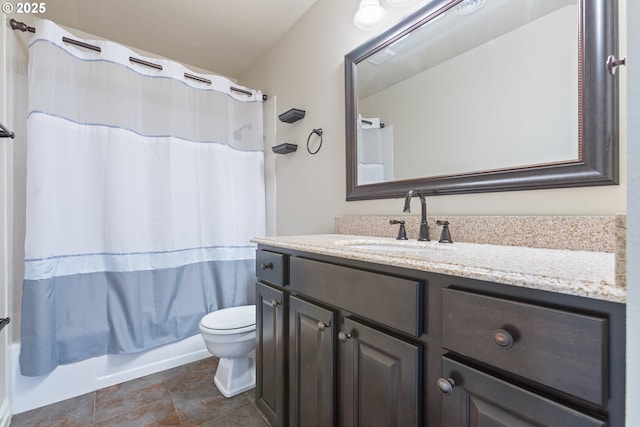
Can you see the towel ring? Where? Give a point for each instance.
(319, 133)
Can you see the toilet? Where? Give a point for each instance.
(230, 334)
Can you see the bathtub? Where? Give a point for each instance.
(78, 378)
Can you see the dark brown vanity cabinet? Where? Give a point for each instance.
(380, 381)
(477, 399)
(563, 350)
(350, 343)
(378, 377)
(346, 369)
(312, 360)
(349, 358)
(271, 304)
(515, 363)
(270, 353)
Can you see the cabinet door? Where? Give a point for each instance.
(380, 378)
(476, 399)
(311, 364)
(270, 360)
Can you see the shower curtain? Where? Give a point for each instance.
(144, 189)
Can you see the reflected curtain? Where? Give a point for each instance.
(144, 189)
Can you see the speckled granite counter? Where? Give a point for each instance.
(581, 273)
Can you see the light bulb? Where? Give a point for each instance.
(369, 15)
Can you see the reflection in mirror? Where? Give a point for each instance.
(473, 91)
(465, 96)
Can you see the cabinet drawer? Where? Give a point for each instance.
(270, 267)
(389, 300)
(565, 351)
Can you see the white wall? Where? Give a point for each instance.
(4, 373)
(15, 175)
(8, 221)
(305, 70)
(633, 219)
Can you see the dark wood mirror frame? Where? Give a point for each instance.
(598, 116)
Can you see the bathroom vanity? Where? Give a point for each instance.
(357, 331)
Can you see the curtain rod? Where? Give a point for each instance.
(24, 27)
(15, 25)
(6, 133)
(21, 26)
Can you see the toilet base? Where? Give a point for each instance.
(235, 376)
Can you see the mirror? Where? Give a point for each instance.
(484, 95)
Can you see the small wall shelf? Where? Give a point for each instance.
(292, 115)
(285, 148)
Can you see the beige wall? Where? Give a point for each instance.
(305, 70)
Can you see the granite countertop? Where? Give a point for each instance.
(581, 273)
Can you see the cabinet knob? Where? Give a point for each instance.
(446, 385)
(322, 326)
(343, 337)
(266, 266)
(275, 303)
(502, 338)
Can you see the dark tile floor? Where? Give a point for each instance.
(183, 397)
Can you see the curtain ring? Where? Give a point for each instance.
(319, 133)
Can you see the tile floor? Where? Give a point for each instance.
(183, 397)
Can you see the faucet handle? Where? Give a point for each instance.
(445, 236)
(402, 232)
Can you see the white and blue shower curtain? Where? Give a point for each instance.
(144, 189)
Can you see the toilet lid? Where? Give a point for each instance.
(230, 318)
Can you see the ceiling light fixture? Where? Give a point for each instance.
(469, 6)
(369, 15)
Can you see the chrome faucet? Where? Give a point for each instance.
(424, 228)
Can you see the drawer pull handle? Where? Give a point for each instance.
(266, 266)
(275, 303)
(502, 338)
(343, 337)
(322, 326)
(446, 385)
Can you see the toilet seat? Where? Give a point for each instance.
(233, 320)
